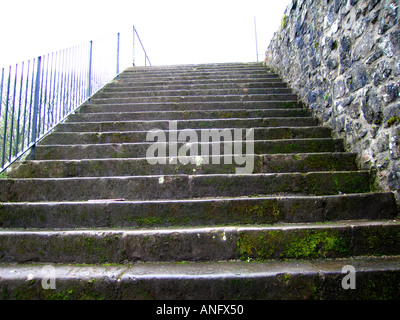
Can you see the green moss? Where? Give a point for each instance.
(72, 294)
(72, 169)
(316, 244)
(284, 148)
(284, 21)
(381, 240)
(315, 161)
(305, 244)
(292, 104)
(392, 121)
(345, 182)
(149, 221)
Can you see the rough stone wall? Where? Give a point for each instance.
(343, 59)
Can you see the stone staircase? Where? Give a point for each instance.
(91, 214)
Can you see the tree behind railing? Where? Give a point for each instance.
(38, 94)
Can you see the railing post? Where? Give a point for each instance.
(133, 46)
(118, 54)
(36, 107)
(89, 92)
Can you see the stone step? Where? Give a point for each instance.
(183, 186)
(140, 125)
(233, 280)
(227, 72)
(267, 133)
(150, 149)
(205, 98)
(185, 106)
(240, 77)
(193, 81)
(189, 114)
(219, 65)
(199, 67)
(129, 93)
(289, 241)
(141, 87)
(111, 213)
(274, 163)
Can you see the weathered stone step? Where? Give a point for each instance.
(266, 133)
(188, 82)
(135, 125)
(274, 163)
(293, 241)
(121, 87)
(189, 114)
(184, 106)
(195, 77)
(205, 98)
(197, 212)
(199, 67)
(141, 149)
(291, 279)
(183, 186)
(128, 93)
(219, 65)
(228, 73)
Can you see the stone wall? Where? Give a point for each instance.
(343, 59)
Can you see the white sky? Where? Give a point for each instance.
(172, 31)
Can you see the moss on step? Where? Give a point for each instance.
(298, 244)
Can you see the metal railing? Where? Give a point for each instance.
(146, 58)
(38, 94)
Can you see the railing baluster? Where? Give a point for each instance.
(40, 97)
(26, 103)
(19, 109)
(10, 147)
(1, 91)
(74, 77)
(46, 108)
(50, 108)
(59, 82)
(36, 107)
(89, 92)
(69, 82)
(31, 103)
(6, 119)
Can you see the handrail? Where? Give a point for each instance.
(146, 58)
(38, 94)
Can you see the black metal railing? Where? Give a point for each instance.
(38, 94)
